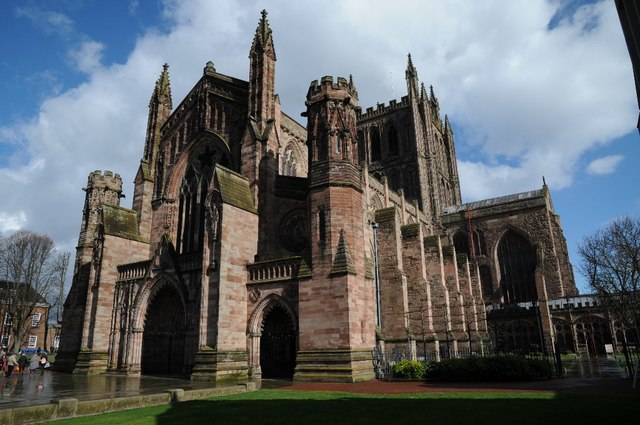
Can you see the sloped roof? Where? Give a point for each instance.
(120, 222)
(234, 189)
(491, 202)
(30, 293)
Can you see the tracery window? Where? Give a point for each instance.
(191, 204)
(517, 261)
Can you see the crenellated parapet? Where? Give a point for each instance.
(102, 188)
(107, 183)
(383, 109)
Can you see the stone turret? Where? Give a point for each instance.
(346, 337)
(101, 189)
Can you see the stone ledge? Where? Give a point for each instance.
(71, 407)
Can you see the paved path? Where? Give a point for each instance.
(25, 390)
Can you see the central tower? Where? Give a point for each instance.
(337, 326)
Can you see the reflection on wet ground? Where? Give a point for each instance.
(23, 389)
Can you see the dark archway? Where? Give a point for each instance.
(163, 338)
(517, 259)
(277, 344)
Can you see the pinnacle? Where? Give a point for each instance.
(342, 262)
(263, 40)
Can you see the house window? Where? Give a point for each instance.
(33, 341)
(8, 320)
(5, 341)
(36, 320)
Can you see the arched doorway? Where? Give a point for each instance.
(277, 344)
(163, 338)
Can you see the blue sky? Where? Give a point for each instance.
(536, 88)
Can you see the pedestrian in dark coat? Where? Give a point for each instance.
(23, 361)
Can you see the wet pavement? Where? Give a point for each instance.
(25, 390)
(585, 375)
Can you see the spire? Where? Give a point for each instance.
(263, 40)
(411, 70)
(432, 96)
(423, 92)
(411, 75)
(435, 105)
(162, 90)
(262, 69)
(447, 125)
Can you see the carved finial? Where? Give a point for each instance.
(209, 68)
(264, 13)
(544, 182)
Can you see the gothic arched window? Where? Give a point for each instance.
(361, 145)
(322, 224)
(517, 260)
(486, 282)
(461, 243)
(191, 202)
(376, 151)
(392, 141)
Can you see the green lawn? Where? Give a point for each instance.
(284, 407)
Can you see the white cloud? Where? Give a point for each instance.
(528, 101)
(604, 165)
(10, 222)
(88, 56)
(47, 21)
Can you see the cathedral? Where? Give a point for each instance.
(258, 247)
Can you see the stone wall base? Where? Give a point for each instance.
(90, 362)
(220, 366)
(334, 366)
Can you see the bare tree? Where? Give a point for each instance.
(61, 262)
(611, 264)
(31, 269)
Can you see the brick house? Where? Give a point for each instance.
(257, 246)
(35, 328)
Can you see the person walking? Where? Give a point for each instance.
(43, 361)
(23, 361)
(4, 366)
(11, 364)
(34, 364)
